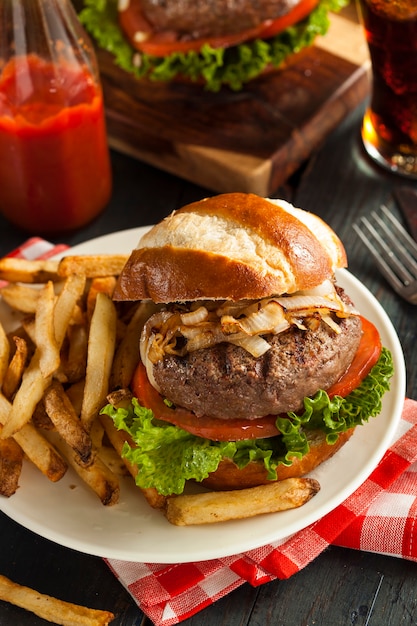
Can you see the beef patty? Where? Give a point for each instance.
(205, 18)
(226, 381)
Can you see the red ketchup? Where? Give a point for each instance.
(55, 171)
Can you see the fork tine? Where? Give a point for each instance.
(401, 261)
(409, 248)
(393, 250)
(382, 265)
(408, 240)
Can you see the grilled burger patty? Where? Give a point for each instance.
(204, 18)
(225, 381)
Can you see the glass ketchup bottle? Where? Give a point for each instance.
(55, 173)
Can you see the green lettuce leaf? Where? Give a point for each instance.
(168, 456)
(231, 66)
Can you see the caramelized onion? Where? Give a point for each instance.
(300, 303)
(255, 345)
(240, 323)
(327, 319)
(262, 321)
(144, 355)
(194, 317)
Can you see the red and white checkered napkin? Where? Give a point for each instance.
(381, 516)
(36, 248)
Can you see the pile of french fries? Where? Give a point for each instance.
(74, 350)
(56, 366)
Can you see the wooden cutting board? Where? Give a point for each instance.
(249, 141)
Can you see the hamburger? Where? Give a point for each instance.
(254, 364)
(215, 42)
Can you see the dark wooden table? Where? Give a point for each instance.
(341, 587)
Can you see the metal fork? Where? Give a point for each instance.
(394, 251)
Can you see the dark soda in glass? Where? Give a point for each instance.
(390, 124)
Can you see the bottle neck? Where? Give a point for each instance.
(49, 29)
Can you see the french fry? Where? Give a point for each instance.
(27, 397)
(120, 398)
(127, 353)
(50, 608)
(41, 452)
(49, 356)
(4, 354)
(40, 418)
(71, 292)
(101, 345)
(113, 461)
(97, 433)
(29, 329)
(38, 450)
(92, 266)
(97, 475)
(101, 284)
(118, 438)
(78, 315)
(34, 383)
(20, 297)
(62, 414)
(221, 506)
(74, 362)
(16, 367)
(16, 270)
(11, 461)
(75, 393)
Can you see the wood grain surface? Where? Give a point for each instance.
(250, 140)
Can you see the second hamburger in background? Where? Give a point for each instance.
(211, 42)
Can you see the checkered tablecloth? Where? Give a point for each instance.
(37, 248)
(381, 516)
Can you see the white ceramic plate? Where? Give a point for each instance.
(69, 514)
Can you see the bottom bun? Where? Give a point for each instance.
(228, 476)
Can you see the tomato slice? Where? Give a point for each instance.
(163, 44)
(367, 355)
(239, 429)
(298, 13)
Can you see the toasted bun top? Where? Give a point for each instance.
(232, 246)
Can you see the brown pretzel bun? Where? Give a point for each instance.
(259, 247)
(229, 476)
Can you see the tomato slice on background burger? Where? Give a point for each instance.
(140, 33)
(217, 429)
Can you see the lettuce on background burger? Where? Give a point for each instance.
(217, 42)
(255, 365)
